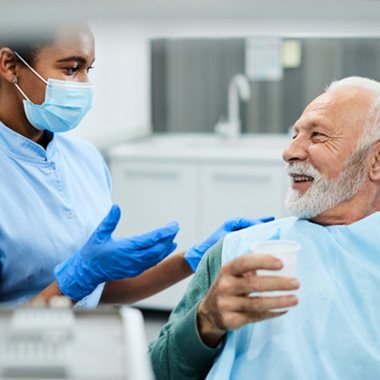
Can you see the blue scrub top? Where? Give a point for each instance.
(51, 202)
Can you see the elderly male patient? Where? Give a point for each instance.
(221, 331)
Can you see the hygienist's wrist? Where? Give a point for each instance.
(191, 260)
(193, 257)
(72, 280)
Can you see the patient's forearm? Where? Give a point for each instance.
(168, 272)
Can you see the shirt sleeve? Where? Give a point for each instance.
(179, 352)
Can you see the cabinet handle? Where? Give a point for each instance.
(140, 174)
(242, 178)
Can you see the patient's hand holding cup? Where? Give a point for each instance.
(285, 250)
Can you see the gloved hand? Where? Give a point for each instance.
(103, 258)
(194, 255)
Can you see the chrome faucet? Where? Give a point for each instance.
(238, 87)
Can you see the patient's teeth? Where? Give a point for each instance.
(302, 178)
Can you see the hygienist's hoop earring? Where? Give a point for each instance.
(14, 80)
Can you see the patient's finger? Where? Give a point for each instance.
(254, 283)
(256, 306)
(248, 263)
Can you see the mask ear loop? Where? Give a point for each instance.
(30, 67)
(14, 79)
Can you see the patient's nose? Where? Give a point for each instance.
(296, 150)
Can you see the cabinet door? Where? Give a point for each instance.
(150, 195)
(251, 191)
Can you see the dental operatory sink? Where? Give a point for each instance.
(206, 146)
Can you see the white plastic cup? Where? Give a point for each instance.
(285, 250)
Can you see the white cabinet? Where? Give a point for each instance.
(249, 190)
(154, 184)
(151, 194)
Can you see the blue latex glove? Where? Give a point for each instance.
(104, 259)
(194, 255)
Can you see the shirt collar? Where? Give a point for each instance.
(23, 147)
(360, 225)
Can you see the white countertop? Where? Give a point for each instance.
(202, 147)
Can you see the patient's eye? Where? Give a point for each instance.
(317, 137)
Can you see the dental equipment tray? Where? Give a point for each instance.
(65, 343)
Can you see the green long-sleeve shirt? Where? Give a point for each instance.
(179, 353)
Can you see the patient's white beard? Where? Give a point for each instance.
(326, 193)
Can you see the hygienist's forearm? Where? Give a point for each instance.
(167, 273)
(46, 295)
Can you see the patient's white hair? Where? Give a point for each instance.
(371, 132)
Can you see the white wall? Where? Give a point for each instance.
(121, 79)
(122, 68)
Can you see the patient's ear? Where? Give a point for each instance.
(374, 173)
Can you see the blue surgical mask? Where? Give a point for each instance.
(65, 105)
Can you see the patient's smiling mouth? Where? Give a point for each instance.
(301, 182)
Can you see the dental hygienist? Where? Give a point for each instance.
(55, 190)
